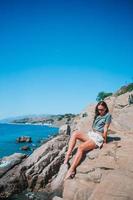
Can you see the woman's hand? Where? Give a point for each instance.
(105, 137)
(105, 133)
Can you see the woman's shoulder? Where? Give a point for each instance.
(108, 114)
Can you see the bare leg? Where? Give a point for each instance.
(76, 135)
(88, 145)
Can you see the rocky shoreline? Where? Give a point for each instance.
(50, 120)
(36, 171)
(103, 174)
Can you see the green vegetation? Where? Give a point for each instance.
(69, 116)
(124, 89)
(51, 119)
(102, 95)
(21, 121)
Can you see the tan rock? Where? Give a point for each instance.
(115, 186)
(113, 165)
(122, 115)
(77, 189)
(10, 161)
(59, 180)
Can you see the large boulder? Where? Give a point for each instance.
(122, 113)
(23, 139)
(116, 185)
(45, 162)
(9, 162)
(65, 129)
(12, 179)
(36, 171)
(59, 180)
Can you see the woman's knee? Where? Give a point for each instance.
(81, 148)
(76, 134)
(79, 135)
(88, 145)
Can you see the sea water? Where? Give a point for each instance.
(10, 132)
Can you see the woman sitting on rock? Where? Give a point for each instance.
(92, 140)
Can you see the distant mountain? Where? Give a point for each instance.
(54, 120)
(10, 119)
(46, 119)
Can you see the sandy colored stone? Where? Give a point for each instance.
(116, 186)
(58, 181)
(76, 189)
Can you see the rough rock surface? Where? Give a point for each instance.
(58, 181)
(12, 180)
(37, 170)
(45, 162)
(122, 115)
(108, 174)
(24, 139)
(9, 162)
(65, 129)
(105, 173)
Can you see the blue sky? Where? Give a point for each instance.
(55, 56)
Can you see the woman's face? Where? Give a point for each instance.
(101, 110)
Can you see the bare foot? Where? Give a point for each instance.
(70, 174)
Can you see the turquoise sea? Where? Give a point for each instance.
(9, 133)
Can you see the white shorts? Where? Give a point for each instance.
(96, 137)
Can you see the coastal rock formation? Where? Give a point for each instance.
(49, 120)
(24, 139)
(59, 180)
(121, 110)
(12, 180)
(107, 176)
(37, 170)
(106, 173)
(9, 162)
(44, 163)
(103, 174)
(65, 129)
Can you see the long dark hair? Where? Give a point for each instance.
(102, 103)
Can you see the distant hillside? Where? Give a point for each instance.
(124, 89)
(10, 119)
(56, 120)
(60, 119)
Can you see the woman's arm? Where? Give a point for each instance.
(105, 132)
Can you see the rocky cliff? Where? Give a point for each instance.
(19, 172)
(106, 173)
(103, 174)
(122, 114)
